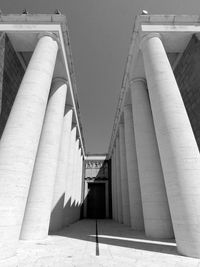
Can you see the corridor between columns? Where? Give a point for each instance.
(124, 206)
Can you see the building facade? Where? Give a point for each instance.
(97, 187)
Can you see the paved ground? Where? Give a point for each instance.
(115, 245)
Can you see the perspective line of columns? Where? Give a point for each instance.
(162, 157)
(34, 154)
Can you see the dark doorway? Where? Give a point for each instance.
(96, 201)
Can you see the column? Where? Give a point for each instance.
(80, 175)
(56, 221)
(157, 219)
(113, 185)
(68, 206)
(135, 202)
(179, 153)
(124, 177)
(118, 175)
(38, 207)
(19, 142)
(75, 182)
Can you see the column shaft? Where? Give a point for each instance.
(157, 219)
(124, 177)
(179, 153)
(41, 190)
(75, 183)
(56, 221)
(113, 186)
(118, 175)
(19, 142)
(135, 202)
(67, 217)
(80, 178)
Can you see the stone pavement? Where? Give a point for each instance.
(115, 245)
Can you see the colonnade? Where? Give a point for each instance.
(161, 176)
(40, 155)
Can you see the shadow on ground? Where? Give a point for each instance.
(115, 234)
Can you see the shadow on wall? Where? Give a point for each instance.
(64, 215)
(115, 234)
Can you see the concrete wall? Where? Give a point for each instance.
(188, 79)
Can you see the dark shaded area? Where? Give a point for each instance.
(188, 80)
(94, 203)
(11, 74)
(97, 240)
(96, 207)
(64, 215)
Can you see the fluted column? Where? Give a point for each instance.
(179, 153)
(41, 190)
(56, 221)
(68, 206)
(135, 202)
(157, 219)
(124, 177)
(118, 176)
(19, 142)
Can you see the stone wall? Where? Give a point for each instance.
(187, 74)
(11, 73)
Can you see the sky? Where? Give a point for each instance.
(100, 32)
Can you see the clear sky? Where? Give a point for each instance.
(100, 32)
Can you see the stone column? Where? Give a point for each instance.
(19, 142)
(135, 202)
(118, 175)
(38, 207)
(69, 180)
(157, 219)
(75, 182)
(80, 175)
(56, 221)
(179, 153)
(115, 208)
(124, 177)
(113, 186)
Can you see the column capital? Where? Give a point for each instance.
(138, 79)
(50, 34)
(60, 80)
(142, 81)
(148, 36)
